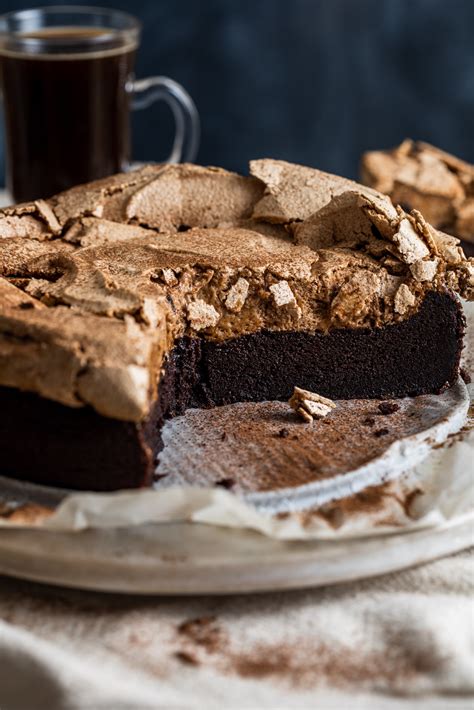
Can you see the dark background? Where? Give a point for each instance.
(312, 81)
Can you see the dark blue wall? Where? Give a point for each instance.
(313, 81)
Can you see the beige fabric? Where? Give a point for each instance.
(401, 641)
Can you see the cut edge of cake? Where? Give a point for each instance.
(126, 300)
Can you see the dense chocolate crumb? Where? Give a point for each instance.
(202, 373)
(465, 375)
(267, 365)
(381, 432)
(368, 421)
(284, 433)
(388, 407)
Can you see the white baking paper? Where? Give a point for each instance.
(437, 490)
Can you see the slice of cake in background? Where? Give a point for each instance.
(125, 301)
(419, 176)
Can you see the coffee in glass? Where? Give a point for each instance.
(67, 80)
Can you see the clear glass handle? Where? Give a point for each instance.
(161, 88)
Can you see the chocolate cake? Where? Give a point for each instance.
(419, 176)
(125, 301)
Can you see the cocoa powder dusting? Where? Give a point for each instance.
(266, 448)
(387, 504)
(459, 435)
(305, 663)
(366, 501)
(410, 498)
(26, 513)
(204, 632)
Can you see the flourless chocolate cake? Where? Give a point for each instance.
(125, 301)
(419, 176)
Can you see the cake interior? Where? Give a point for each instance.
(78, 448)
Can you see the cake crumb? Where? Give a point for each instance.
(187, 658)
(388, 407)
(309, 405)
(284, 433)
(159, 476)
(381, 432)
(368, 421)
(227, 483)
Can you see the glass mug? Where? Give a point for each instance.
(68, 87)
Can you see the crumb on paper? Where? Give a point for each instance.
(388, 407)
(227, 483)
(310, 405)
(159, 476)
(189, 659)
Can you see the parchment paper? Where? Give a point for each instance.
(433, 492)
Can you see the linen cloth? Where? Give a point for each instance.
(404, 640)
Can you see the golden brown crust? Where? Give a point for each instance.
(91, 301)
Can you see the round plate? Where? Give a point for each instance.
(183, 558)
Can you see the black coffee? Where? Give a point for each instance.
(66, 111)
